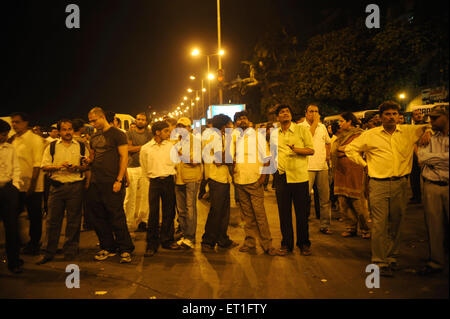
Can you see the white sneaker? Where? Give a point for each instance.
(125, 257)
(104, 254)
(185, 243)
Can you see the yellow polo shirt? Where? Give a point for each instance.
(388, 155)
(293, 165)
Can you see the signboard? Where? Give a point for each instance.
(227, 109)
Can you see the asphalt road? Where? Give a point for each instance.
(336, 269)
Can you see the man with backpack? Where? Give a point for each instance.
(65, 162)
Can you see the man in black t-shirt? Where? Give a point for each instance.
(106, 191)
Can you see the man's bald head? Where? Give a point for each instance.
(97, 111)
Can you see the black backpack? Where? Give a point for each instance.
(82, 151)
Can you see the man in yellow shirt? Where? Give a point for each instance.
(388, 149)
(295, 143)
(219, 187)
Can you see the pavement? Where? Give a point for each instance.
(336, 269)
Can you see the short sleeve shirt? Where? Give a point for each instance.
(318, 161)
(106, 164)
(137, 139)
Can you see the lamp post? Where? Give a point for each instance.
(211, 76)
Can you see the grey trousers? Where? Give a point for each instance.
(320, 178)
(251, 200)
(186, 196)
(354, 210)
(64, 198)
(388, 204)
(435, 201)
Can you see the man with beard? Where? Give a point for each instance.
(136, 198)
(65, 160)
(388, 150)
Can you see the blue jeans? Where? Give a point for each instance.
(187, 208)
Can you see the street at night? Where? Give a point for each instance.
(336, 269)
(225, 158)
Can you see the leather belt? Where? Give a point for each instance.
(439, 183)
(393, 178)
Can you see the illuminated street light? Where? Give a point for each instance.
(221, 52)
(402, 96)
(192, 77)
(154, 113)
(192, 104)
(189, 90)
(197, 98)
(195, 52)
(203, 90)
(211, 76)
(182, 103)
(185, 98)
(178, 108)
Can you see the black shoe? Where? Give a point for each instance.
(16, 269)
(386, 271)
(142, 227)
(208, 248)
(428, 270)
(171, 246)
(31, 250)
(44, 260)
(230, 245)
(149, 252)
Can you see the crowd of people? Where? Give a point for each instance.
(113, 182)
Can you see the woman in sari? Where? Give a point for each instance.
(349, 179)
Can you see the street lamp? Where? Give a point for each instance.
(189, 90)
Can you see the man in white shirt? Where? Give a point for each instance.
(157, 166)
(250, 154)
(65, 162)
(9, 198)
(317, 164)
(29, 148)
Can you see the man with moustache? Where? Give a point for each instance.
(388, 150)
(136, 198)
(434, 160)
(29, 149)
(65, 161)
(295, 143)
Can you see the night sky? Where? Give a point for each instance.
(131, 54)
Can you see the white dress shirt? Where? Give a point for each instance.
(9, 165)
(434, 158)
(29, 148)
(318, 161)
(155, 159)
(63, 153)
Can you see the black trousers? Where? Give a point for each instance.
(414, 179)
(33, 203)
(63, 198)
(108, 217)
(297, 193)
(161, 189)
(216, 226)
(9, 202)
